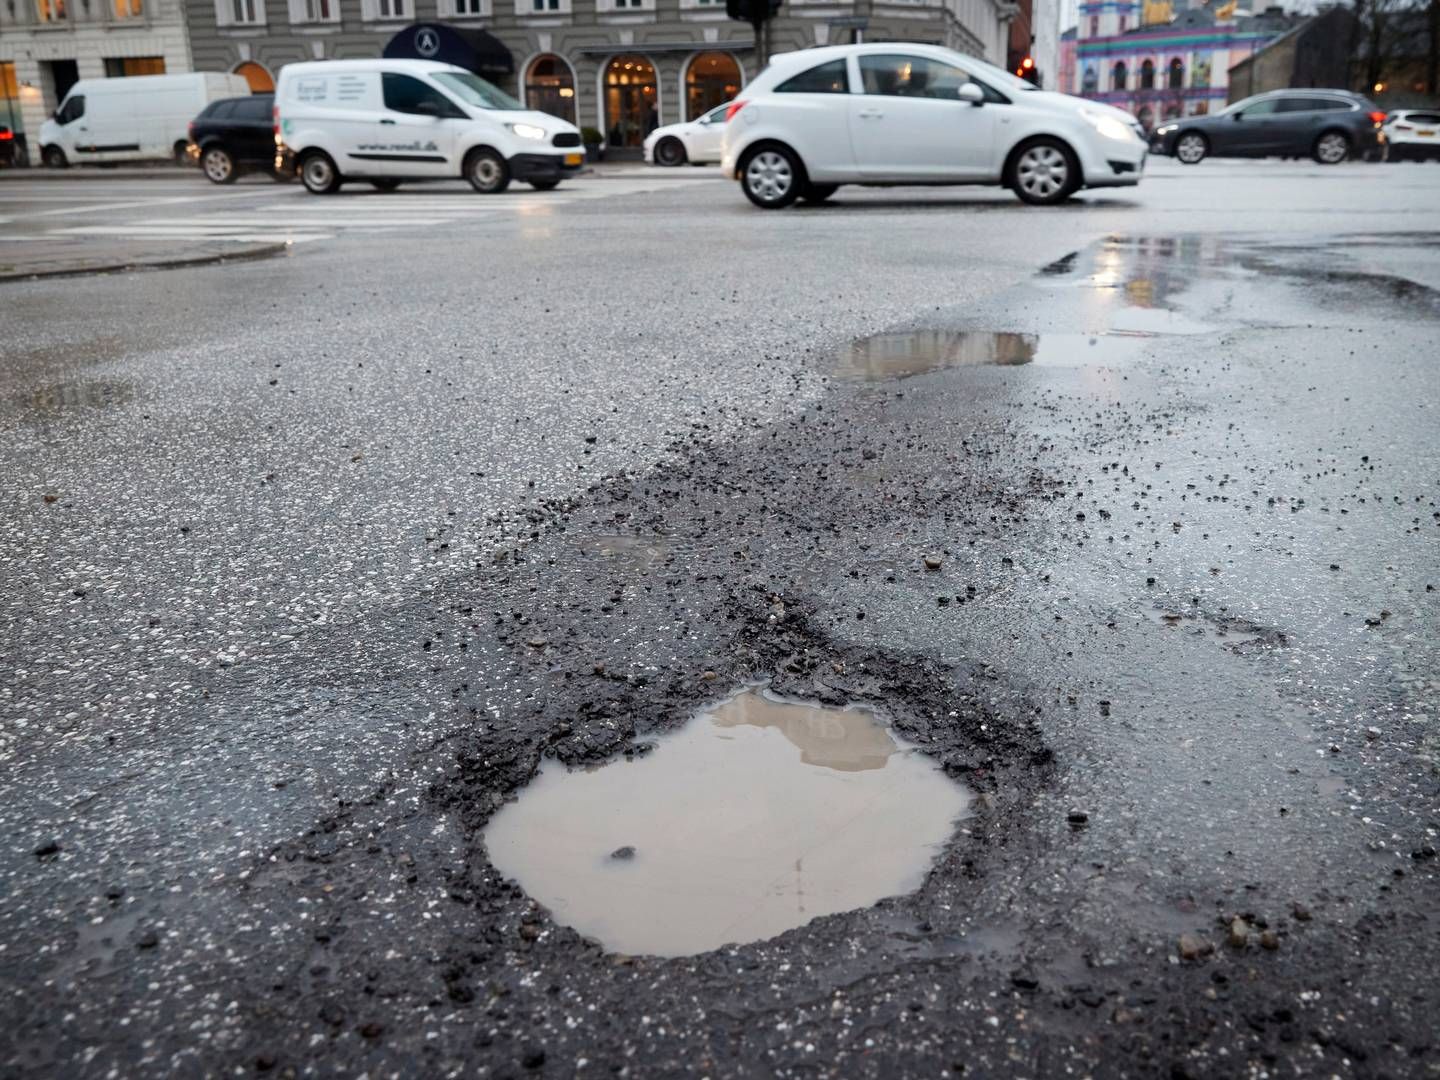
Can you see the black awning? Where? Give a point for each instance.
(475, 50)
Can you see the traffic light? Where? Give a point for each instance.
(752, 11)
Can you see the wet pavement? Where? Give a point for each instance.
(319, 572)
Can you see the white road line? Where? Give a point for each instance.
(150, 202)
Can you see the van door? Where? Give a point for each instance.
(74, 126)
(417, 131)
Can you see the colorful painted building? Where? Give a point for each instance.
(1157, 65)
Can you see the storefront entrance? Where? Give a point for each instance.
(632, 107)
(550, 87)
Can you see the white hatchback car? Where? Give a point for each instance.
(889, 114)
(696, 141)
(1413, 134)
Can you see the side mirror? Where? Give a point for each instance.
(972, 93)
(1237, 116)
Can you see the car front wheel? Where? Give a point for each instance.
(487, 172)
(771, 177)
(1331, 148)
(670, 152)
(1043, 173)
(1191, 148)
(218, 165)
(54, 158)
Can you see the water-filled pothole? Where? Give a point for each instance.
(755, 817)
(899, 354)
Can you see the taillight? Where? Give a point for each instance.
(6, 135)
(1378, 117)
(735, 107)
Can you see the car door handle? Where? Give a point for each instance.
(387, 121)
(871, 114)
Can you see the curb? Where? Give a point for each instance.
(263, 251)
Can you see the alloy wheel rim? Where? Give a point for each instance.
(1190, 148)
(486, 172)
(1332, 148)
(317, 173)
(668, 154)
(217, 165)
(1042, 171)
(769, 176)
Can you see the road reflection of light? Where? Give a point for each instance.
(534, 210)
(1109, 267)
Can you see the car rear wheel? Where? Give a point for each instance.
(1331, 148)
(318, 173)
(487, 172)
(1043, 173)
(218, 165)
(771, 177)
(54, 158)
(669, 152)
(1191, 148)
(818, 193)
(385, 185)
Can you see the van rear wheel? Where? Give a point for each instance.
(54, 158)
(318, 173)
(487, 171)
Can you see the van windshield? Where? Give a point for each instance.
(473, 90)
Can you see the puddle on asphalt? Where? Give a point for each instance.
(754, 818)
(900, 354)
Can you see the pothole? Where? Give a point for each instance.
(755, 817)
(900, 354)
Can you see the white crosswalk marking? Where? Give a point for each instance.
(294, 215)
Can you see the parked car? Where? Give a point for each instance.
(388, 121)
(234, 136)
(9, 147)
(1328, 125)
(136, 118)
(696, 141)
(1413, 134)
(891, 114)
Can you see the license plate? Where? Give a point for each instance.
(1426, 134)
(574, 159)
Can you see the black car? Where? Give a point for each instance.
(1328, 125)
(235, 135)
(10, 152)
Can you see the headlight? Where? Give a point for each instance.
(1107, 125)
(527, 131)
(1167, 129)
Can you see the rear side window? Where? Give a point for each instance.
(1311, 104)
(1422, 118)
(826, 79)
(1261, 108)
(219, 110)
(254, 108)
(406, 94)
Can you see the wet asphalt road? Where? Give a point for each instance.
(308, 562)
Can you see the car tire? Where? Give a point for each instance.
(217, 165)
(772, 177)
(818, 193)
(1331, 148)
(1043, 172)
(670, 152)
(487, 171)
(54, 158)
(1191, 148)
(544, 185)
(385, 185)
(318, 173)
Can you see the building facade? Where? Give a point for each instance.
(620, 66)
(1156, 65)
(47, 45)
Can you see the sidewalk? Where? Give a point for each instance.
(55, 256)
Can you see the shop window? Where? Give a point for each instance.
(550, 86)
(120, 67)
(1147, 75)
(711, 79)
(1177, 74)
(1118, 75)
(1090, 82)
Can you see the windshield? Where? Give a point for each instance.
(473, 90)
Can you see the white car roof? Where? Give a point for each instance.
(341, 67)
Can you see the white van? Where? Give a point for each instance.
(136, 118)
(385, 121)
